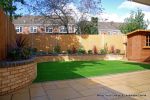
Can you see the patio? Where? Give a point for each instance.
(127, 86)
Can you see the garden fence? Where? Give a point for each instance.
(7, 35)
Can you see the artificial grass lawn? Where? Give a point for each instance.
(50, 71)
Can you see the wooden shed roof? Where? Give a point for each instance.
(145, 2)
(139, 30)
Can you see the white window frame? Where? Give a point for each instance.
(34, 28)
(71, 29)
(49, 28)
(147, 44)
(109, 33)
(20, 28)
(63, 29)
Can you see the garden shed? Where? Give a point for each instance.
(138, 45)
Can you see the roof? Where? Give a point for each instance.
(146, 2)
(109, 25)
(24, 20)
(139, 30)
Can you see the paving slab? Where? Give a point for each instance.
(62, 94)
(126, 86)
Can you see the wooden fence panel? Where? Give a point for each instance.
(47, 42)
(7, 35)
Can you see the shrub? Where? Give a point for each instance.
(22, 41)
(90, 52)
(112, 49)
(95, 50)
(14, 54)
(118, 51)
(19, 53)
(74, 50)
(69, 51)
(106, 48)
(57, 49)
(103, 51)
(81, 51)
(22, 51)
(26, 53)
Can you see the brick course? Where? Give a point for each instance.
(78, 58)
(14, 78)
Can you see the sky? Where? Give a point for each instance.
(114, 10)
(117, 10)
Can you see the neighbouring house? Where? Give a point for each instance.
(138, 45)
(39, 24)
(110, 28)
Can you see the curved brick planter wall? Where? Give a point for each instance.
(16, 77)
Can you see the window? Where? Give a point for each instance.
(114, 33)
(148, 40)
(110, 33)
(19, 29)
(70, 29)
(48, 30)
(33, 29)
(63, 29)
(73, 29)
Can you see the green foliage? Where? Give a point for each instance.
(9, 7)
(26, 53)
(19, 54)
(118, 51)
(69, 51)
(134, 22)
(22, 51)
(90, 52)
(57, 49)
(81, 51)
(103, 51)
(14, 54)
(89, 27)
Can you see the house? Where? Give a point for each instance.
(110, 28)
(138, 45)
(53, 24)
(39, 24)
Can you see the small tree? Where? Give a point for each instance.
(87, 27)
(59, 8)
(9, 7)
(134, 22)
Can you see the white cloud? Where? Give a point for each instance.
(102, 17)
(133, 5)
(147, 17)
(110, 17)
